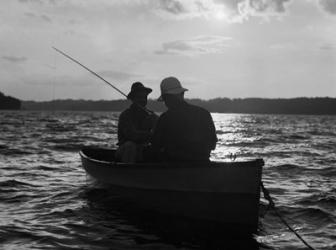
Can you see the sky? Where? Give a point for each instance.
(216, 48)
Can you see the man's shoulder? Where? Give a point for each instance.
(125, 113)
(199, 109)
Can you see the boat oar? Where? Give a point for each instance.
(101, 78)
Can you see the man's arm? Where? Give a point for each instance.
(158, 134)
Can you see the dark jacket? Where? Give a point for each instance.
(185, 133)
(135, 125)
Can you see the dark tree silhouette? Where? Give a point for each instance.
(303, 105)
(8, 102)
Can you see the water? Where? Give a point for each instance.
(48, 202)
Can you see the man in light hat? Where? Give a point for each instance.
(184, 132)
(135, 125)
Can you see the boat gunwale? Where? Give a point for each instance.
(258, 162)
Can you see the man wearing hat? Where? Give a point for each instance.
(184, 132)
(135, 125)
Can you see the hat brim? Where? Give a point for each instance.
(134, 92)
(172, 92)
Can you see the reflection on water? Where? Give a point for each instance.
(147, 228)
(48, 202)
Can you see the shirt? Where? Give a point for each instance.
(135, 125)
(185, 133)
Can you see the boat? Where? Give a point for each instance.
(220, 193)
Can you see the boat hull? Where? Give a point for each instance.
(226, 194)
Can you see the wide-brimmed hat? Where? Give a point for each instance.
(171, 85)
(138, 87)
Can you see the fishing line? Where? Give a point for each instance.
(272, 205)
(53, 83)
(101, 78)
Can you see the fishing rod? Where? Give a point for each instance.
(101, 78)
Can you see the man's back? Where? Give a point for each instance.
(185, 132)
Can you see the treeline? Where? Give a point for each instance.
(8, 102)
(320, 105)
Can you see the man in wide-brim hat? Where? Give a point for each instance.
(135, 125)
(137, 90)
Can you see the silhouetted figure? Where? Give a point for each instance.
(135, 125)
(184, 132)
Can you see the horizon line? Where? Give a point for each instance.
(194, 98)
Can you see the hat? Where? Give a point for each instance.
(136, 88)
(171, 85)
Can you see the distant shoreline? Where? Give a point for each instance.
(8, 102)
(303, 105)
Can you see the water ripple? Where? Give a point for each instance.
(47, 202)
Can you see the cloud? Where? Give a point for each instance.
(38, 1)
(172, 6)
(30, 1)
(255, 7)
(327, 47)
(14, 59)
(328, 5)
(38, 17)
(179, 9)
(196, 46)
(46, 18)
(118, 75)
(262, 6)
(230, 10)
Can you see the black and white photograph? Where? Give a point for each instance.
(168, 124)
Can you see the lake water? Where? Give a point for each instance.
(48, 202)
